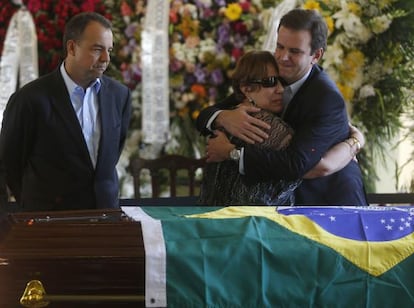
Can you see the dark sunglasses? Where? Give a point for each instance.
(267, 82)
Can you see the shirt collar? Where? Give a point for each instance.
(71, 85)
(294, 87)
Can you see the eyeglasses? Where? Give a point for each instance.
(268, 82)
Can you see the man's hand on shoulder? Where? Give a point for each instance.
(239, 123)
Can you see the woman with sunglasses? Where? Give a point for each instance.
(255, 82)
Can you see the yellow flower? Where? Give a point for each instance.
(347, 92)
(352, 64)
(312, 5)
(233, 11)
(183, 112)
(188, 27)
(382, 4)
(354, 8)
(330, 23)
(355, 58)
(195, 114)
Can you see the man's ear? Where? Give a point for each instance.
(70, 47)
(317, 56)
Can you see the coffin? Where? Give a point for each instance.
(93, 258)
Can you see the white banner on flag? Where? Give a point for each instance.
(155, 257)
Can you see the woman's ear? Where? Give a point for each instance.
(245, 89)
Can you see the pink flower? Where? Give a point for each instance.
(125, 9)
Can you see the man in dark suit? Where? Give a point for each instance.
(63, 133)
(316, 111)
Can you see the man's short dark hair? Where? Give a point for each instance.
(77, 24)
(310, 20)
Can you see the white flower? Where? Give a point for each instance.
(207, 46)
(380, 24)
(257, 3)
(178, 51)
(366, 91)
(333, 72)
(357, 81)
(206, 3)
(373, 9)
(189, 9)
(184, 54)
(354, 28)
(345, 41)
(334, 55)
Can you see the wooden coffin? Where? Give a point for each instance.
(83, 258)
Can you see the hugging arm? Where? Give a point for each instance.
(318, 126)
(335, 159)
(237, 121)
(339, 155)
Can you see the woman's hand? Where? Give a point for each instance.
(356, 133)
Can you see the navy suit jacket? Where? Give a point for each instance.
(44, 153)
(317, 113)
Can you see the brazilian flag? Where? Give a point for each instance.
(250, 256)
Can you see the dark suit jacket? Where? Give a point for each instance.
(42, 147)
(318, 116)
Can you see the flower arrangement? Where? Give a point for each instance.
(50, 17)
(370, 56)
(206, 40)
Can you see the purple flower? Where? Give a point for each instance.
(223, 34)
(212, 92)
(175, 65)
(221, 2)
(128, 49)
(240, 40)
(207, 13)
(200, 74)
(136, 70)
(189, 79)
(216, 77)
(131, 29)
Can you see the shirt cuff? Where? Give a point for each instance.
(211, 120)
(241, 161)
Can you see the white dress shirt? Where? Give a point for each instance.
(85, 104)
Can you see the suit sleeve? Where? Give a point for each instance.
(16, 140)
(205, 115)
(320, 124)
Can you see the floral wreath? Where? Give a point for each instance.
(370, 56)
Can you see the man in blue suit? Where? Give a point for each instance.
(315, 110)
(63, 133)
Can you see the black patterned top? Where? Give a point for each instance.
(223, 185)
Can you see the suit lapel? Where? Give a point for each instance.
(292, 105)
(63, 106)
(105, 98)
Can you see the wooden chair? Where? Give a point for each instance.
(172, 164)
